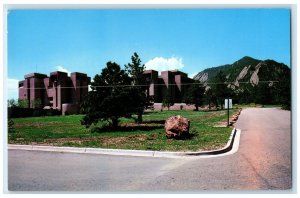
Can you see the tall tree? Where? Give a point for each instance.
(135, 70)
(108, 99)
(284, 93)
(220, 88)
(12, 103)
(168, 100)
(263, 94)
(210, 97)
(195, 95)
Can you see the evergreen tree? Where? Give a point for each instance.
(10, 124)
(263, 94)
(244, 96)
(12, 103)
(219, 87)
(284, 93)
(210, 97)
(135, 70)
(195, 95)
(109, 97)
(168, 100)
(284, 90)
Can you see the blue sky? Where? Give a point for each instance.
(190, 40)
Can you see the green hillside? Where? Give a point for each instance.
(252, 80)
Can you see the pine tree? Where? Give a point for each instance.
(219, 87)
(195, 95)
(168, 100)
(109, 97)
(135, 70)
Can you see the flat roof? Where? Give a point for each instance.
(149, 71)
(35, 75)
(58, 72)
(79, 74)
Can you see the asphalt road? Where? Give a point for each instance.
(263, 162)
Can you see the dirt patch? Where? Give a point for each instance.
(122, 140)
(221, 124)
(204, 117)
(41, 124)
(61, 141)
(102, 140)
(141, 125)
(232, 120)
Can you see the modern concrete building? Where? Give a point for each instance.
(59, 91)
(175, 83)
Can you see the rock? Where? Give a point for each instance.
(234, 118)
(177, 127)
(202, 77)
(254, 78)
(243, 73)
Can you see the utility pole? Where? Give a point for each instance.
(228, 112)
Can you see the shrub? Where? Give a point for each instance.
(10, 125)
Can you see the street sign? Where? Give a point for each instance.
(226, 103)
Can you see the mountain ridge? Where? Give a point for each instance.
(250, 80)
(247, 69)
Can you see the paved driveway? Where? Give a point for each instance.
(262, 162)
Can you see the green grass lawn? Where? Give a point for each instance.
(67, 131)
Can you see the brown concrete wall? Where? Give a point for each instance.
(23, 90)
(33, 89)
(80, 83)
(55, 90)
(152, 81)
(165, 76)
(171, 82)
(178, 81)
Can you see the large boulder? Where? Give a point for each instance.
(177, 127)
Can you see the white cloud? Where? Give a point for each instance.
(163, 64)
(62, 69)
(12, 88)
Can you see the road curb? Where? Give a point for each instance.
(143, 153)
(225, 149)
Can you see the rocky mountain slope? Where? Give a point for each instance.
(248, 71)
(252, 81)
